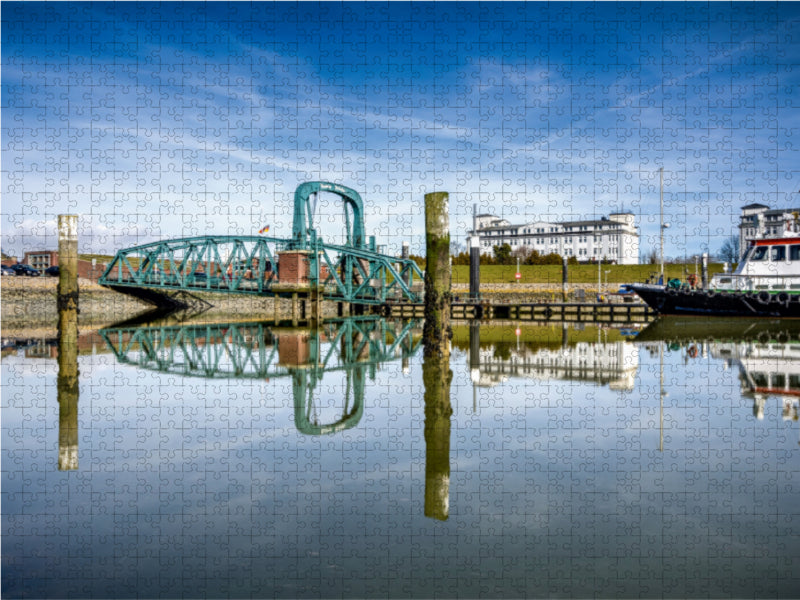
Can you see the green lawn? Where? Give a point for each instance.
(551, 274)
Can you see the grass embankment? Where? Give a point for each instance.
(551, 274)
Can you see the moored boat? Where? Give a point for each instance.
(765, 284)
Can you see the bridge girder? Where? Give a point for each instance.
(250, 265)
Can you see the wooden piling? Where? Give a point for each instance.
(436, 331)
(67, 303)
(436, 373)
(474, 267)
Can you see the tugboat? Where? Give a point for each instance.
(765, 284)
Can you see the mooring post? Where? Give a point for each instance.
(474, 267)
(564, 278)
(705, 270)
(294, 309)
(436, 331)
(67, 303)
(436, 373)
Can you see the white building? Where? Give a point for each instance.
(612, 238)
(758, 220)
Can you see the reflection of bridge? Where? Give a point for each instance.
(258, 351)
(258, 265)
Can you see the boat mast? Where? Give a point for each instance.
(661, 228)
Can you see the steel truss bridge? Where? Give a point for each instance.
(161, 272)
(256, 350)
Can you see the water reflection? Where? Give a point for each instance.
(765, 353)
(261, 350)
(68, 390)
(210, 457)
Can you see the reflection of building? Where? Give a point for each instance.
(765, 369)
(613, 363)
(611, 238)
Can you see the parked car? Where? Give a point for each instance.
(7, 270)
(53, 271)
(26, 270)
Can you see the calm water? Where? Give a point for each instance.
(244, 461)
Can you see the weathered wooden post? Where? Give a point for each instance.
(67, 303)
(436, 373)
(564, 278)
(436, 331)
(474, 267)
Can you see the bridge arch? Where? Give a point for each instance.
(302, 222)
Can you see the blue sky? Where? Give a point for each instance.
(159, 120)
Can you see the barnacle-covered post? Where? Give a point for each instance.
(67, 302)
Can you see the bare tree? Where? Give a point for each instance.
(729, 252)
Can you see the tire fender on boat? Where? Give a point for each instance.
(764, 297)
(782, 298)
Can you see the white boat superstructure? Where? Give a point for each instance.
(770, 264)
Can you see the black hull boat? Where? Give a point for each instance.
(669, 301)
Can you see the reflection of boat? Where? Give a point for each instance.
(766, 352)
(765, 284)
(688, 329)
(769, 368)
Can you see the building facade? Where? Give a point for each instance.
(41, 259)
(759, 220)
(613, 238)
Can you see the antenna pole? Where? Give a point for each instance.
(661, 231)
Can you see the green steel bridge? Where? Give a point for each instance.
(258, 350)
(353, 272)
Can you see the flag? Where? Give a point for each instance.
(264, 229)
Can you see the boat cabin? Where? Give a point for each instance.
(771, 264)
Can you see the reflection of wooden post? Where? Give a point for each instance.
(436, 375)
(436, 331)
(67, 300)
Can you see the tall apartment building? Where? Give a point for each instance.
(612, 238)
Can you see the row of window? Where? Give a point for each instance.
(773, 253)
(543, 230)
